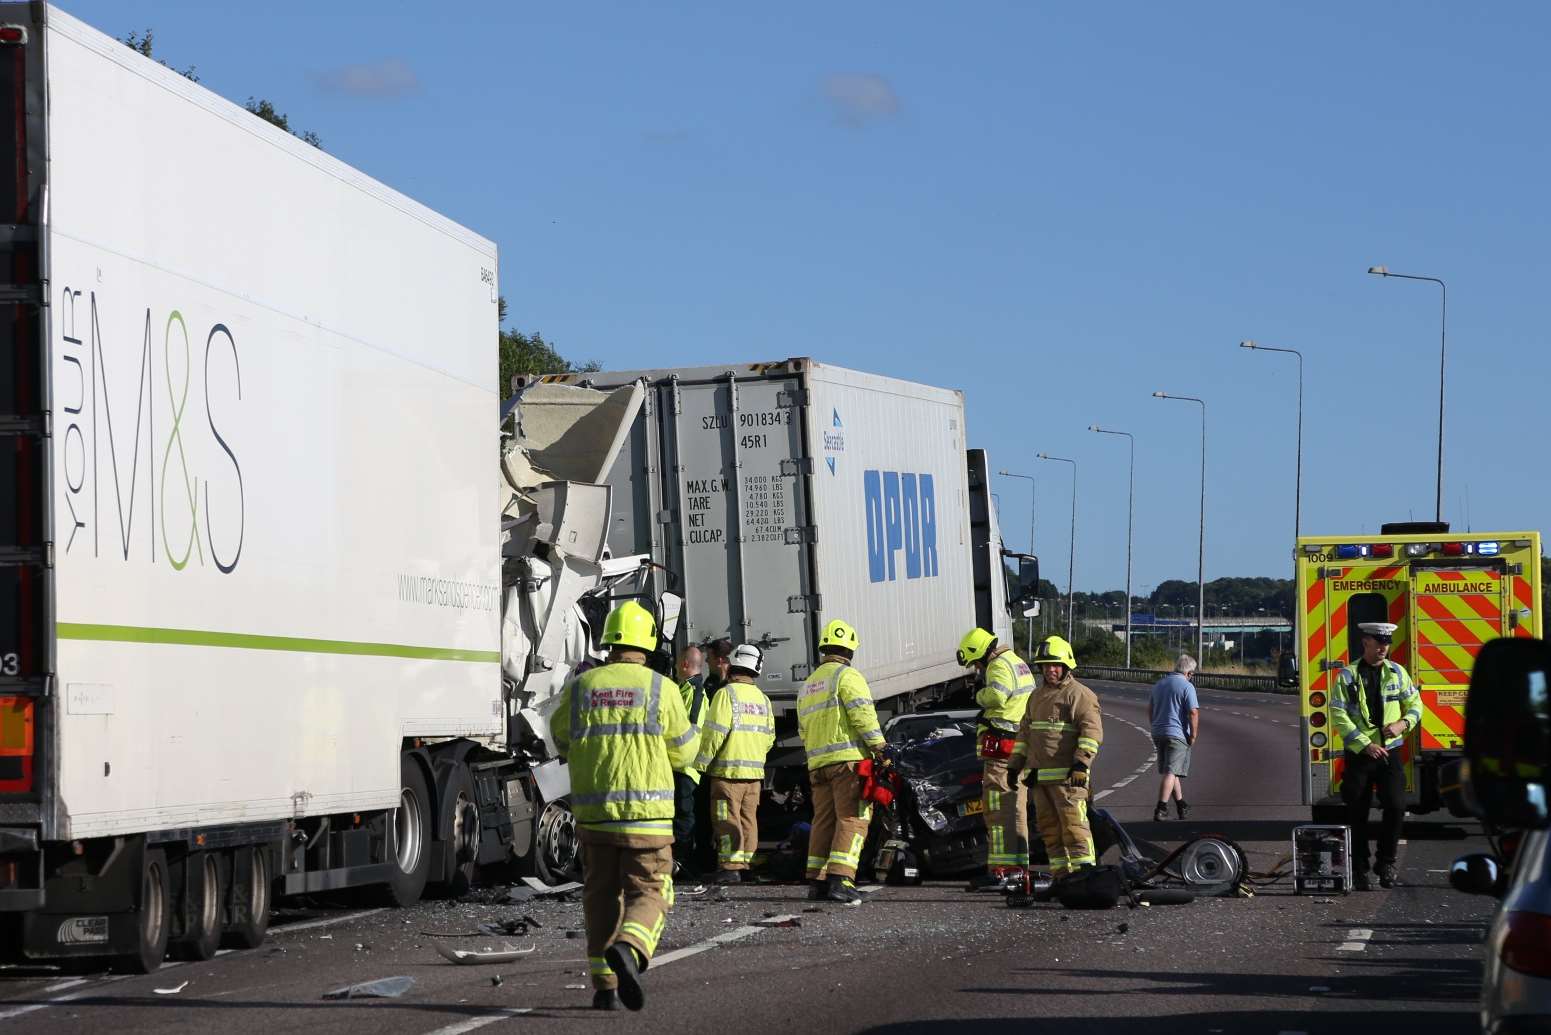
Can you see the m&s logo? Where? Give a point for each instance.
(901, 515)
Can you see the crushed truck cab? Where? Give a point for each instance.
(1447, 594)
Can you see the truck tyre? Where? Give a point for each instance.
(252, 899)
(557, 853)
(201, 907)
(153, 917)
(409, 836)
(463, 834)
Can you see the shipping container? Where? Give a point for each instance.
(786, 494)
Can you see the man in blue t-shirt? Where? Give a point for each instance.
(1176, 719)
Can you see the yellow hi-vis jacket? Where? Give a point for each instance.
(1349, 718)
(1061, 726)
(623, 730)
(835, 716)
(1005, 697)
(737, 734)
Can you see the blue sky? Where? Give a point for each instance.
(1058, 209)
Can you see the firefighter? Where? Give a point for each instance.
(1374, 708)
(839, 728)
(1057, 742)
(623, 730)
(738, 733)
(1003, 697)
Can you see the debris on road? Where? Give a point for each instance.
(545, 891)
(382, 988)
(779, 921)
(576, 986)
(495, 981)
(510, 928)
(470, 957)
(171, 991)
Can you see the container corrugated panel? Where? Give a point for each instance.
(787, 494)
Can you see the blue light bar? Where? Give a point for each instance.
(1488, 549)
(1348, 551)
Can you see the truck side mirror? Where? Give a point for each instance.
(1508, 734)
(1477, 874)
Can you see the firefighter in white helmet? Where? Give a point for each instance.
(1057, 742)
(737, 734)
(1003, 697)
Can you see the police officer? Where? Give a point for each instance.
(1057, 742)
(737, 735)
(1002, 698)
(1374, 708)
(839, 728)
(623, 730)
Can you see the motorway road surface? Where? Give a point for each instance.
(923, 959)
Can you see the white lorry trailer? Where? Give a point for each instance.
(788, 493)
(252, 581)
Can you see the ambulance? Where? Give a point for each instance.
(1448, 593)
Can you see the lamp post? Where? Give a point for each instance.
(1029, 620)
(1071, 555)
(1298, 477)
(1201, 548)
(1130, 523)
(1443, 343)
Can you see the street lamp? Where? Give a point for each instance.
(1071, 555)
(1443, 342)
(1201, 548)
(1298, 478)
(1029, 620)
(1130, 522)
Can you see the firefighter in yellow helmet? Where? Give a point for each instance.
(1004, 695)
(839, 728)
(623, 729)
(1057, 742)
(738, 733)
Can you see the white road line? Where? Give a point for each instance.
(1122, 783)
(312, 925)
(1103, 794)
(56, 1000)
(474, 1023)
(1356, 940)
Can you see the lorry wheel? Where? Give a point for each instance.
(557, 853)
(409, 836)
(154, 916)
(463, 834)
(251, 899)
(201, 908)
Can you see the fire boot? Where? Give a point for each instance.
(843, 891)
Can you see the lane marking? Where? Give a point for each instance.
(1356, 940)
(56, 1000)
(473, 1023)
(312, 925)
(1122, 783)
(1103, 794)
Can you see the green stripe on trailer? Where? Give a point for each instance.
(251, 641)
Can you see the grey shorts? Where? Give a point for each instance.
(1173, 755)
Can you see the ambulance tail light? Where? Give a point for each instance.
(1318, 740)
(16, 744)
(1453, 549)
(1317, 699)
(1317, 719)
(1383, 549)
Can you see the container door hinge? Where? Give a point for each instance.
(666, 517)
(803, 603)
(797, 467)
(802, 534)
(792, 398)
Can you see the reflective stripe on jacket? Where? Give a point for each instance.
(1349, 706)
(1061, 726)
(1005, 697)
(738, 733)
(835, 716)
(623, 730)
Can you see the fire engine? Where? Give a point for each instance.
(1448, 593)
